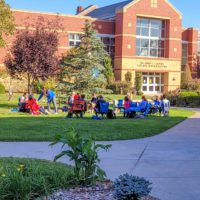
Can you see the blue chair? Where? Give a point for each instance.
(133, 104)
(147, 110)
(103, 109)
(120, 103)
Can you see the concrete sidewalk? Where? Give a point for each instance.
(170, 160)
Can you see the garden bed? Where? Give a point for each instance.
(102, 191)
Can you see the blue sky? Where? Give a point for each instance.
(190, 9)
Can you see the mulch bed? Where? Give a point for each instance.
(98, 192)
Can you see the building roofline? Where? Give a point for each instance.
(59, 14)
(136, 1)
(87, 10)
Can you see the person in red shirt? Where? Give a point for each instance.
(77, 96)
(34, 107)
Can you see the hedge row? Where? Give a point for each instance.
(190, 101)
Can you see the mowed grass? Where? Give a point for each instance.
(24, 127)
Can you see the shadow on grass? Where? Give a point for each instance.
(8, 105)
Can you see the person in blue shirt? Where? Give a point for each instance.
(51, 97)
(157, 102)
(140, 108)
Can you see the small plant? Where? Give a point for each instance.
(83, 151)
(2, 89)
(128, 187)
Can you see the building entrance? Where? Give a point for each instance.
(152, 83)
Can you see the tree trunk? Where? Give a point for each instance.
(29, 84)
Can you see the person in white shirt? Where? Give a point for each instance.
(165, 105)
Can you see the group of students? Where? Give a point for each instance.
(76, 99)
(27, 102)
(160, 105)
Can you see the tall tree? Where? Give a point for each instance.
(33, 53)
(108, 70)
(7, 25)
(82, 69)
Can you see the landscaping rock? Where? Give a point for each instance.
(98, 192)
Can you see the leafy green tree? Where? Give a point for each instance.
(108, 70)
(7, 25)
(82, 69)
(138, 83)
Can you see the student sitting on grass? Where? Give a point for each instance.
(23, 103)
(35, 109)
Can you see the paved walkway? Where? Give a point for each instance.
(170, 160)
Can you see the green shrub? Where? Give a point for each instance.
(83, 151)
(120, 87)
(188, 94)
(128, 77)
(128, 187)
(2, 89)
(138, 83)
(27, 179)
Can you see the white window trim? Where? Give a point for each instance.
(74, 40)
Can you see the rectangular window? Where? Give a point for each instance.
(74, 39)
(184, 60)
(150, 39)
(109, 43)
(154, 3)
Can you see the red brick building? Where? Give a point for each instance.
(141, 36)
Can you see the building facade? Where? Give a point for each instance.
(141, 36)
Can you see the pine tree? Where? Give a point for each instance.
(82, 69)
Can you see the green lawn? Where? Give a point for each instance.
(24, 127)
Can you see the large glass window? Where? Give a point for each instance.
(150, 37)
(74, 39)
(109, 43)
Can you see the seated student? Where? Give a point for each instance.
(92, 103)
(100, 99)
(34, 107)
(127, 103)
(156, 105)
(165, 106)
(23, 103)
(70, 99)
(78, 108)
(140, 108)
(82, 98)
(77, 96)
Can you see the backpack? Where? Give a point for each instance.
(111, 114)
